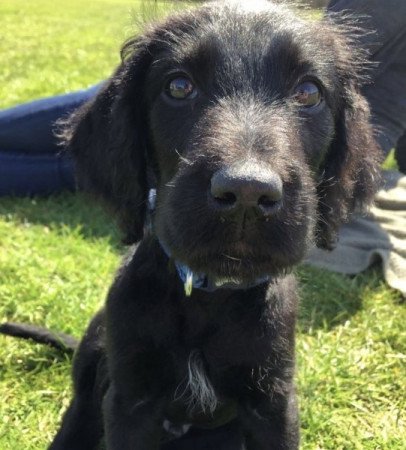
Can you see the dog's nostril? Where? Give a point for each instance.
(266, 202)
(222, 190)
(226, 199)
(246, 187)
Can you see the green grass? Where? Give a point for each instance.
(58, 255)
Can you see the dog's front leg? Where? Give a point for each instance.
(132, 424)
(273, 424)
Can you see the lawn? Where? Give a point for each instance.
(57, 256)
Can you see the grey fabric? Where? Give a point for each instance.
(378, 237)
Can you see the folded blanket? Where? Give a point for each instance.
(378, 237)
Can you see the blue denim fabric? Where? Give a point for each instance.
(31, 162)
(24, 174)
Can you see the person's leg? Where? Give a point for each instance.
(31, 163)
(386, 92)
(24, 174)
(400, 153)
(27, 128)
(387, 98)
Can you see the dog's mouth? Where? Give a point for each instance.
(243, 255)
(237, 262)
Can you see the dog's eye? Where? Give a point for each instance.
(307, 94)
(180, 88)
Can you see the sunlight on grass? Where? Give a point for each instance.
(55, 47)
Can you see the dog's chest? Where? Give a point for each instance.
(221, 346)
(227, 334)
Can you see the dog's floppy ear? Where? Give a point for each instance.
(350, 174)
(107, 138)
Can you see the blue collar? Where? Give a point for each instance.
(191, 279)
(199, 280)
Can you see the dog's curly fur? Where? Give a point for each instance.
(153, 356)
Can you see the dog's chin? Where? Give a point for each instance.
(238, 262)
(245, 270)
(224, 252)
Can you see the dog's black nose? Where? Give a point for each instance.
(246, 187)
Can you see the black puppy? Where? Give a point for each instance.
(248, 122)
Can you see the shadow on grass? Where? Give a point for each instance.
(326, 299)
(75, 211)
(329, 299)
(34, 358)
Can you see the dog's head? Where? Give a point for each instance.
(250, 124)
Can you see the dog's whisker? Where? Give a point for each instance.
(233, 258)
(183, 158)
